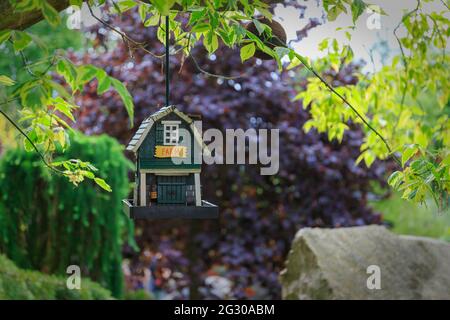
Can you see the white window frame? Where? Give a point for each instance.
(171, 133)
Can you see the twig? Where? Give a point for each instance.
(436, 27)
(50, 65)
(126, 39)
(8, 101)
(26, 65)
(209, 74)
(405, 60)
(368, 125)
(398, 26)
(31, 142)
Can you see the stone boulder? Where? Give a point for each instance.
(344, 263)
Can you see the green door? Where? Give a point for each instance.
(171, 189)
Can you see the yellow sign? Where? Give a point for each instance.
(170, 152)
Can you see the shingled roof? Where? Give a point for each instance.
(147, 124)
(140, 133)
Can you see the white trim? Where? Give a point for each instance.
(170, 174)
(143, 187)
(169, 122)
(171, 132)
(182, 115)
(208, 203)
(170, 171)
(198, 138)
(198, 196)
(135, 194)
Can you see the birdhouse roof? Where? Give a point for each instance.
(147, 124)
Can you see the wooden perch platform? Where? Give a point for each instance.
(205, 211)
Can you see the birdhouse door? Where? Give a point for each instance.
(171, 189)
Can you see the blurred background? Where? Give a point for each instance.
(47, 224)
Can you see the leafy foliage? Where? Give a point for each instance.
(407, 102)
(47, 224)
(17, 284)
(377, 106)
(46, 105)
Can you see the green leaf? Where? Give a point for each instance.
(266, 13)
(66, 69)
(161, 34)
(247, 51)
(24, 5)
(163, 6)
(358, 7)
(103, 184)
(27, 145)
(211, 42)
(302, 59)
(259, 26)
(88, 174)
(64, 107)
(61, 90)
(50, 14)
(123, 6)
(199, 28)
(142, 11)
(408, 152)
(323, 45)
(152, 21)
(196, 16)
(85, 74)
(33, 95)
(21, 40)
(126, 97)
(395, 179)
(368, 156)
(4, 35)
(104, 82)
(376, 9)
(78, 3)
(7, 81)
(446, 160)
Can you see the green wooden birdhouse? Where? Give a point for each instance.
(167, 147)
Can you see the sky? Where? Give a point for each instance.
(371, 29)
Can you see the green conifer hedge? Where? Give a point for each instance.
(47, 224)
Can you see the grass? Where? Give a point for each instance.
(411, 219)
(20, 284)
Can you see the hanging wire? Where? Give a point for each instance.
(167, 63)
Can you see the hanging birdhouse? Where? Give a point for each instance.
(167, 177)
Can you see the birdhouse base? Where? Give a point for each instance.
(205, 211)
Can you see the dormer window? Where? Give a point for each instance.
(171, 134)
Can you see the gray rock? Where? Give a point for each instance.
(332, 264)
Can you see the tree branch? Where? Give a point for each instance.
(10, 19)
(29, 140)
(359, 115)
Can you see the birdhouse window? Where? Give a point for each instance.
(171, 134)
